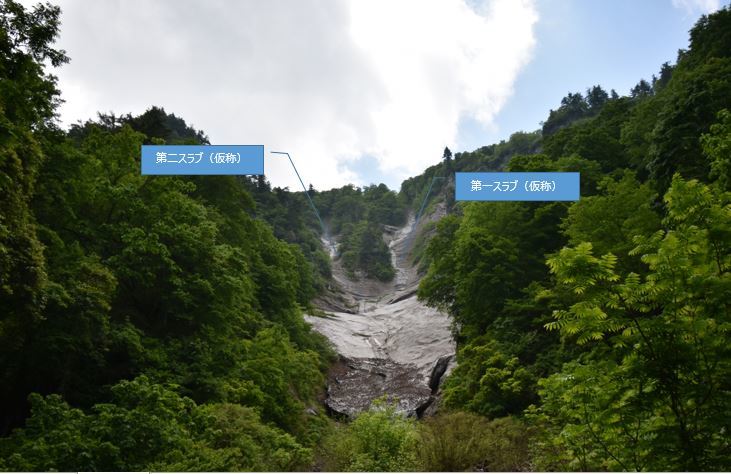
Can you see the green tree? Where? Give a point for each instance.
(596, 97)
(659, 387)
(377, 440)
(363, 250)
(488, 381)
(609, 220)
(573, 107)
(698, 89)
(28, 97)
(149, 426)
(447, 157)
(717, 147)
(641, 90)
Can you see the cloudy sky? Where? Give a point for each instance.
(359, 90)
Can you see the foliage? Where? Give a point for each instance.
(149, 322)
(291, 218)
(352, 205)
(377, 440)
(698, 89)
(488, 158)
(597, 139)
(657, 397)
(359, 216)
(363, 249)
(154, 123)
(632, 372)
(149, 426)
(609, 220)
(155, 323)
(717, 147)
(383, 440)
(424, 233)
(575, 106)
(488, 381)
(462, 441)
(28, 96)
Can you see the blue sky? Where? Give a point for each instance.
(581, 43)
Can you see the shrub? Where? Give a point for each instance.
(459, 441)
(377, 440)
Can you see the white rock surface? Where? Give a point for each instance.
(391, 344)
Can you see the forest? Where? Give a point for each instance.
(155, 323)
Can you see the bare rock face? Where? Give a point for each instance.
(390, 344)
(355, 383)
(438, 371)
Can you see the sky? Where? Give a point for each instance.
(359, 91)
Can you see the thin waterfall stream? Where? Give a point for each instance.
(388, 342)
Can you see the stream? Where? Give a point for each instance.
(388, 342)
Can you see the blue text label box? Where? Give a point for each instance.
(202, 159)
(530, 186)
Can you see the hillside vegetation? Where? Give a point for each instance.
(156, 322)
(604, 323)
(146, 322)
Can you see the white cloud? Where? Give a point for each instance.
(692, 7)
(329, 82)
